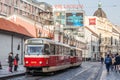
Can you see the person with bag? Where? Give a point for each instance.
(16, 59)
(108, 62)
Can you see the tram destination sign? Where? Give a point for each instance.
(35, 41)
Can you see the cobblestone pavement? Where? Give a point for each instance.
(4, 72)
(88, 71)
(113, 75)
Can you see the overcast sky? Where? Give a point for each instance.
(110, 7)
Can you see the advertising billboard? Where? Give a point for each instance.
(92, 21)
(74, 19)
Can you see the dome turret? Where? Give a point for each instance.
(99, 12)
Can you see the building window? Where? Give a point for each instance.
(9, 10)
(5, 9)
(0, 7)
(93, 48)
(16, 11)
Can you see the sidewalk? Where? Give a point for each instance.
(113, 75)
(4, 73)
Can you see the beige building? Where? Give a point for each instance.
(108, 33)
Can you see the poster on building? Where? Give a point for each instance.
(74, 19)
(92, 21)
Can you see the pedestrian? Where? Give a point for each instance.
(108, 62)
(16, 59)
(10, 61)
(102, 60)
(113, 62)
(117, 60)
(0, 65)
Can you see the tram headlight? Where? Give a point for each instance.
(40, 62)
(26, 62)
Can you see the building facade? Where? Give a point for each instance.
(108, 34)
(37, 11)
(12, 39)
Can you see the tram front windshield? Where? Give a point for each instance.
(35, 49)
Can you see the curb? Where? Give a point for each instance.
(12, 75)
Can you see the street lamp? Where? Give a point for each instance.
(35, 28)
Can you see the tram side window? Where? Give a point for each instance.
(60, 50)
(80, 53)
(68, 51)
(74, 52)
(46, 49)
(52, 48)
(77, 52)
(63, 50)
(56, 49)
(71, 52)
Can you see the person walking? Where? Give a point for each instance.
(10, 61)
(16, 59)
(113, 63)
(108, 62)
(117, 60)
(102, 60)
(0, 65)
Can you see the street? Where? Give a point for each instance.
(88, 71)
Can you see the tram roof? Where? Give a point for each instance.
(44, 39)
(54, 42)
(50, 41)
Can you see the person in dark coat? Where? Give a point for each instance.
(102, 60)
(16, 59)
(117, 60)
(10, 61)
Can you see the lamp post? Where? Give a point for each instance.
(91, 48)
(35, 28)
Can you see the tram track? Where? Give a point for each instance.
(91, 73)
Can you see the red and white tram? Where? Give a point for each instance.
(44, 55)
(75, 56)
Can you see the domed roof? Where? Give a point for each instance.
(99, 12)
